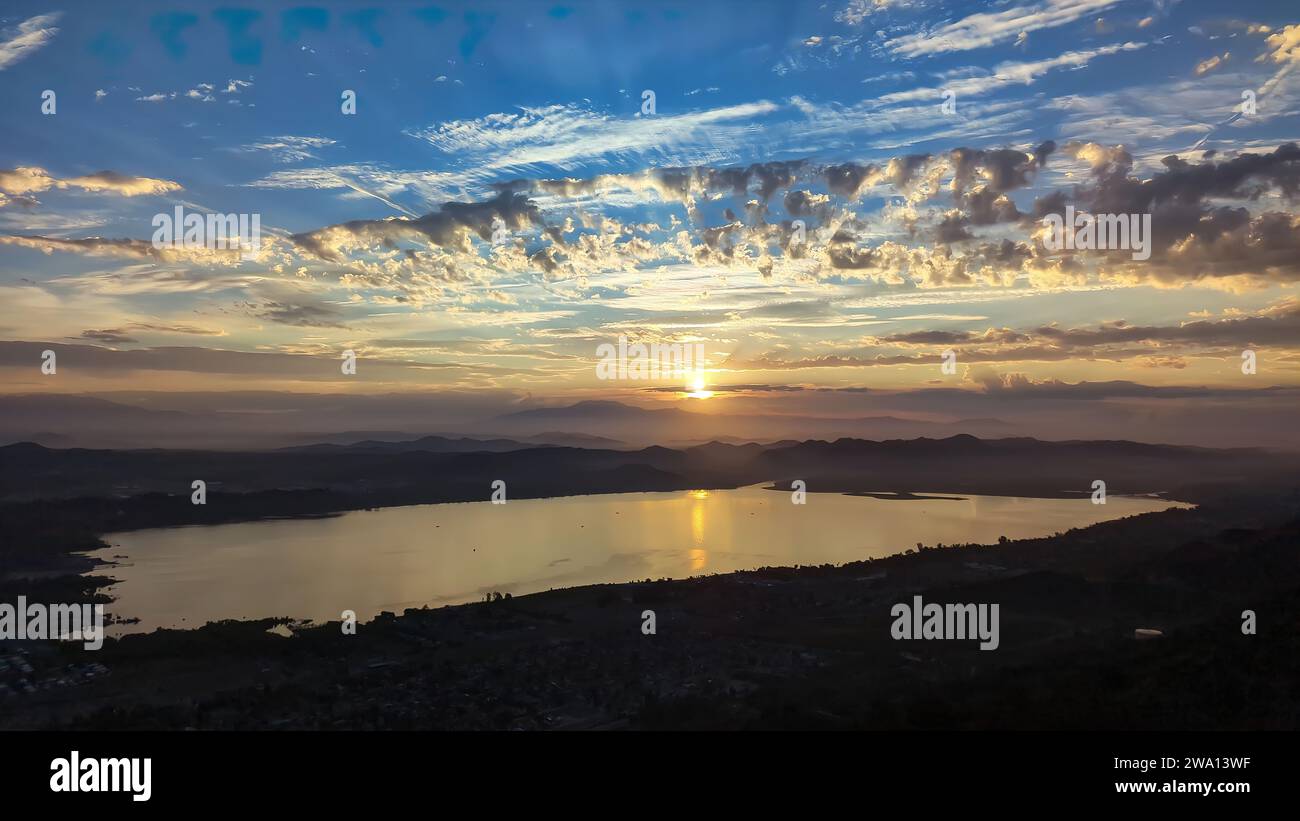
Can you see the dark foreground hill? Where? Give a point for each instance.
(773, 648)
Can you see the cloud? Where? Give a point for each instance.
(26, 203)
(27, 38)
(289, 148)
(1210, 64)
(569, 136)
(1194, 236)
(857, 11)
(1004, 169)
(1275, 329)
(125, 247)
(210, 361)
(148, 276)
(123, 184)
(370, 180)
(1285, 45)
(108, 336)
(201, 92)
(1008, 73)
(306, 315)
(175, 328)
(1277, 325)
(449, 227)
(32, 179)
(1156, 113)
(556, 234)
(989, 28)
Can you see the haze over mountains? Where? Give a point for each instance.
(373, 473)
(269, 420)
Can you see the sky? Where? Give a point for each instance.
(827, 197)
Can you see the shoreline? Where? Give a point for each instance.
(108, 564)
(731, 648)
(887, 496)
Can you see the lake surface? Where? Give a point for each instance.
(394, 558)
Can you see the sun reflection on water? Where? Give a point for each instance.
(698, 555)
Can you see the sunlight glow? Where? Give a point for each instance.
(698, 388)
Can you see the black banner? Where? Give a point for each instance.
(327, 770)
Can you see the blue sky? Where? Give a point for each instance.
(670, 226)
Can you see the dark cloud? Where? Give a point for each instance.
(545, 260)
(772, 176)
(987, 206)
(96, 246)
(1005, 168)
(848, 257)
(175, 328)
(446, 227)
(929, 337)
(292, 313)
(1279, 326)
(848, 179)
(901, 169)
(953, 228)
(1247, 176)
(1043, 151)
(1053, 203)
(803, 203)
(1194, 237)
(1006, 253)
(81, 359)
(109, 336)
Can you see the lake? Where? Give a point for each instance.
(399, 557)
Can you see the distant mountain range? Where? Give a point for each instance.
(378, 473)
(270, 421)
(86, 421)
(463, 444)
(677, 425)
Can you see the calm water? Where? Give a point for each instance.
(394, 558)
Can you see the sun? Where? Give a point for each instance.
(698, 388)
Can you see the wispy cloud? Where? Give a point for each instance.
(990, 28)
(1010, 73)
(569, 136)
(289, 148)
(27, 37)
